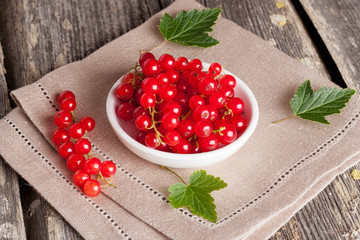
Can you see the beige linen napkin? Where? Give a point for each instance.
(277, 171)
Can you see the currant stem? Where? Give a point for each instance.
(159, 102)
(135, 71)
(73, 116)
(283, 119)
(151, 49)
(153, 125)
(196, 142)
(219, 131)
(228, 112)
(106, 181)
(166, 168)
(188, 114)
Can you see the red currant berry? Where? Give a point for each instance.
(151, 140)
(239, 123)
(66, 94)
(226, 132)
(143, 122)
(181, 63)
(108, 168)
(68, 104)
(194, 148)
(205, 112)
(172, 138)
(81, 177)
(186, 128)
(167, 62)
(151, 67)
(138, 79)
(184, 75)
(227, 91)
(88, 123)
(92, 166)
(214, 114)
(228, 80)
(192, 91)
(63, 119)
(170, 120)
(92, 188)
(163, 147)
(193, 78)
(138, 93)
(207, 85)
(183, 100)
(60, 136)
(174, 76)
(184, 146)
(195, 65)
(172, 107)
(128, 78)
(140, 137)
(183, 85)
(236, 105)
(125, 111)
(124, 91)
(76, 131)
(66, 149)
(163, 79)
(82, 146)
(161, 129)
(139, 111)
(145, 56)
(168, 92)
(203, 129)
(147, 100)
(209, 143)
(214, 69)
(196, 101)
(217, 99)
(75, 162)
(151, 86)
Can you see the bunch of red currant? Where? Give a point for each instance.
(75, 148)
(179, 107)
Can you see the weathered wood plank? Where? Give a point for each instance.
(40, 36)
(41, 220)
(11, 214)
(49, 35)
(280, 25)
(327, 216)
(338, 23)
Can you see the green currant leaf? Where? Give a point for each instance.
(196, 194)
(190, 28)
(315, 106)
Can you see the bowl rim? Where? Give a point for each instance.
(111, 114)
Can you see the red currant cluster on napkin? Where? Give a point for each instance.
(75, 147)
(178, 107)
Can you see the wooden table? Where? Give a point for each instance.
(39, 36)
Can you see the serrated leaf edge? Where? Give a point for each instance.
(322, 118)
(211, 41)
(201, 173)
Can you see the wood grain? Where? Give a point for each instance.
(11, 214)
(338, 23)
(327, 216)
(39, 36)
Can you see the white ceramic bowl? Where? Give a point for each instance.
(126, 132)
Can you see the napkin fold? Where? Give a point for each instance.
(272, 176)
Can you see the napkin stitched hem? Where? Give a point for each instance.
(318, 152)
(99, 208)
